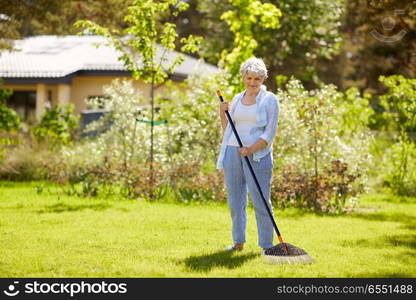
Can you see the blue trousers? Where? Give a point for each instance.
(239, 182)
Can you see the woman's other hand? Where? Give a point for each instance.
(245, 151)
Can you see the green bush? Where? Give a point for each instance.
(119, 154)
(9, 122)
(399, 103)
(400, 112)
(121, 138)
(116, 159)
(328, 192)
(192, 111)
(321, 153)
(57, 125)
(8, 119)
(400, 174)
(323, 140)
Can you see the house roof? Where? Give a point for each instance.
(60, 56)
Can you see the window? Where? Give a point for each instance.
(101, 100)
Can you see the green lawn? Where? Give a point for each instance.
(53, 235)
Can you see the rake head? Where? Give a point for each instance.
(285, 253)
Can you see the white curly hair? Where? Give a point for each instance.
(254, 65)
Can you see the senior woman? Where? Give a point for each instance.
(255, 113)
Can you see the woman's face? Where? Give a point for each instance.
(252, 81)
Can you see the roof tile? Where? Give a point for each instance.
(60, 56)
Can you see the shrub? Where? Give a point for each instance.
(57, 125)
(399, 102)
(321, 152)
(8, 119)
(400, 173)
(325, 149)
(326, 193)
(192, 111)
(117, 159)
(400, 113)
(322, 135)
(189, 183)
(121, 138)
(24, 161)
(9, 122)
(103, 178)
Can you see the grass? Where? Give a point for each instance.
(49, 234)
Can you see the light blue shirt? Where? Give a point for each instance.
(267, 116)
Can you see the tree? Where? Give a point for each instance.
(308, 31)
(378, 40)
(242, 20)
(8, 31)
(139, 46)
(21, 18)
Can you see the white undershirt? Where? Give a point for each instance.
(244, 121)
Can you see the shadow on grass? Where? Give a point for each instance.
(397, 242)
(407, 221)
(402, 244)
(221, 259)
(7, 184)
(401, 240)
(404, 240)
(391, 217)
(65, 207)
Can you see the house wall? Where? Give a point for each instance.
(85, 86)
(77, 91)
